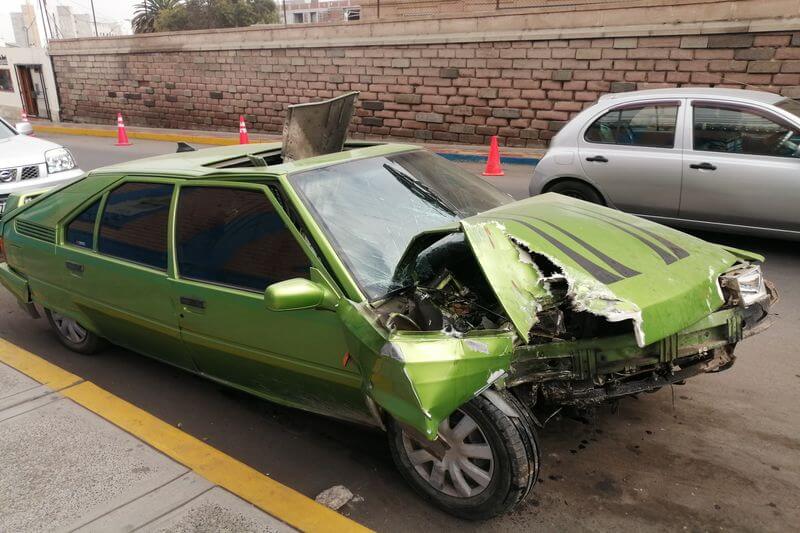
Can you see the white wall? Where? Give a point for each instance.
(11, 103)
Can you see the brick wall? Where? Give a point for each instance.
(522, 90)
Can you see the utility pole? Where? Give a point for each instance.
(47, 18)
(94, 18)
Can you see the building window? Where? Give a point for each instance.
(352, 14)
(298, 18)
(5, 80)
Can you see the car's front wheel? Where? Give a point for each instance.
(490, 463)
(73, 335)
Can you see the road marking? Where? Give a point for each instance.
(272, 497)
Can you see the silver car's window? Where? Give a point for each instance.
(647, 125)
(732, 129)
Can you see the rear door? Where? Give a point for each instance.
(115, 253)
(231, 242)
(633, 153)
(742, 166)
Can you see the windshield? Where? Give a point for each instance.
(371, 209)
(792, 106)
(5, 131)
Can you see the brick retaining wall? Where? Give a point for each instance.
(521, 90)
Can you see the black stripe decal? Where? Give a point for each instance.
(601, 274)
(677, 250)
(616, 265)
(665, 255)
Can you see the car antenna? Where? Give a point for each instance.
(185, 147)
(257, 161)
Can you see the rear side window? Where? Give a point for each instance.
(651, 125)
(734, 130)
(134, 223)
(234, 237)
(81, 230)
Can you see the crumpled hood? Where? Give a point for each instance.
(616, 265)
(23, 150)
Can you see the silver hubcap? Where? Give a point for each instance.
(468, 464)
(69, 328)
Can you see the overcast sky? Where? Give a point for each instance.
(106, 10)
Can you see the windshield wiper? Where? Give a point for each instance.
(420, 189)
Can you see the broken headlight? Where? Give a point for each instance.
(745, 285)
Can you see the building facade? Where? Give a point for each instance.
(319, 11)
(26, 31)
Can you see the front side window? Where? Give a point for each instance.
(234, 237)
(81, 230)
(650, 125)
(732, 129)
(134, 223)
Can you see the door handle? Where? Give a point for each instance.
(77, 268)
(193, 302)
(703, 166)
(597, 159)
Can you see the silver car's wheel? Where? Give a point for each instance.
(69, 328)
(468, 464)
(73, 335)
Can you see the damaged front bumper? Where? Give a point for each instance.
(592, 371)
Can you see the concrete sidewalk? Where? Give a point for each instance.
(64, 468)
(455, 152)
(74, 457)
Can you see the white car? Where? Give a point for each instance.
(28, 163)
(703, 158)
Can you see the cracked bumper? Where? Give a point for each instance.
(593, 371)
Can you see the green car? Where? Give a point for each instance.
(384, 285)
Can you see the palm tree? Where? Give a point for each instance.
(144, 19)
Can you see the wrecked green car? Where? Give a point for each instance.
(384, 285)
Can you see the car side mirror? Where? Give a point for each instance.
(24, 128)
(298, 293)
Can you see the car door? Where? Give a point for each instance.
(742, 166)
(231, 242)
(116, 256)
(632, 152)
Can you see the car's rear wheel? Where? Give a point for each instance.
(73, 335)
(490, 465)
(577, 189)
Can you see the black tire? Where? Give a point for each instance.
(577, 189)
(86, 342)
(515, 459)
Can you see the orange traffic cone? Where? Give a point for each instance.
(24, 116)
(493, 167)
(243, 137)
(122, 135)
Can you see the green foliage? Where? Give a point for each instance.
(146, 13)
(205, 14)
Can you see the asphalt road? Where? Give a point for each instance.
(720, 453)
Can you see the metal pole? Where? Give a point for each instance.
(47, 18)
(94, 18)
(44, 22)
(285, 20)
(379, 8)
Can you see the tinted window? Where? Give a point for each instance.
(728, 129)
(134, 223)
(235, 237)
(648, 125)
(81, 230)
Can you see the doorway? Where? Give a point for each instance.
(32, 91)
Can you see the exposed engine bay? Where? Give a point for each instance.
(449, 293)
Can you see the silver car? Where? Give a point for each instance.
(703, 158)
(29, 164)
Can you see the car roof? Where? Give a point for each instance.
(211, 162)
(697, 92)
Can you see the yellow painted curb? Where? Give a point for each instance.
(37, 368)
(276, 499)
(146, 135)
